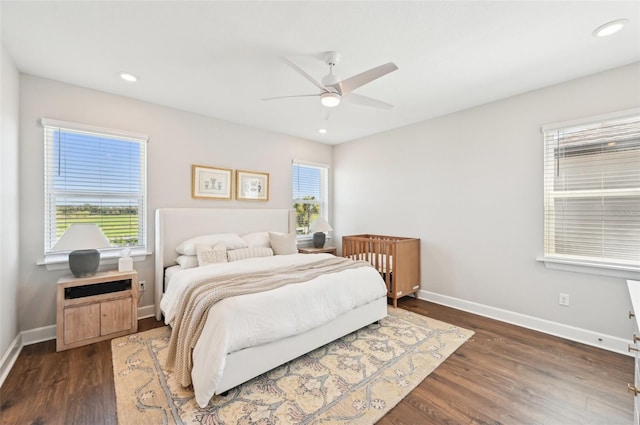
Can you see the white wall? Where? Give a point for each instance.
(177, 140)
(9, 217)
(470, 186)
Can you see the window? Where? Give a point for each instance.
(94, 175)
(310, 194)
(592, 191)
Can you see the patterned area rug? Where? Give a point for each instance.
(353, 380)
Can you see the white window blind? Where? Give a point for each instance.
(592, 190)
(310, 194)
(94, 175)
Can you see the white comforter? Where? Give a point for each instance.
(249, 320)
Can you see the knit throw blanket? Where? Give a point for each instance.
(199, 297)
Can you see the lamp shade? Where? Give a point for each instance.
(318, 228)
(83, 239)
(320, 225)
(82, 236)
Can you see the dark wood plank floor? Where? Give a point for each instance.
(503, 375)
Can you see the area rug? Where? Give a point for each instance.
(353, 380)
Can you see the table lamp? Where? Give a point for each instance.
(318, 227)
(83, 240)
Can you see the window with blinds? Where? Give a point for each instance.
(310, 194)
(94, 175)
(592, 190)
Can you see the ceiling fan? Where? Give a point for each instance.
(333, 90)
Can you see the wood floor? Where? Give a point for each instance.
(503, 375)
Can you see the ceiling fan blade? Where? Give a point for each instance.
(285, 97)
(359, 99)
(302, 72)
(352, 83)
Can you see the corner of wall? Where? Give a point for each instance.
(9, 209)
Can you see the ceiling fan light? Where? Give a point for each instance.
(330, 100)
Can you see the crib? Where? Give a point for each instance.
(397, 259)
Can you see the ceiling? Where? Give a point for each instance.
(220, 59)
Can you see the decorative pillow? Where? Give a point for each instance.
(231, 241)
(187, 261)
(257, 239)
(283, 243)
(244, 253)
(208, 254)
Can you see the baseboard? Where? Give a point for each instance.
(146, 311)
(34, 336)
(45, 333)
(31, 336)
(10, 357)
(583, 336)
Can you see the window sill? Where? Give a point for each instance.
(61, 261)
(612, 270)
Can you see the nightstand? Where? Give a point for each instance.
(95, 308)
(312, 250)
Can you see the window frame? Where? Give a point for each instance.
(324, 193)
(58, 260)
(576, 263)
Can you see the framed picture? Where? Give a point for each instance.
(252, 186)
(210, 182)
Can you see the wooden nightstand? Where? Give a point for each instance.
(312, 250)
(92, 309)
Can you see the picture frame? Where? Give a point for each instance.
(211, 182)
(252, 186)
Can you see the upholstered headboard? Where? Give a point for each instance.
(175, 225)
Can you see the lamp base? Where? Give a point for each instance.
(84, 262)
(318, 239)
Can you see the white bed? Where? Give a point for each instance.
(175, 225)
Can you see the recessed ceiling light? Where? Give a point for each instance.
(610, 28)
(322, 130)
(128, 77)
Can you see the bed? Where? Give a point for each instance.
(397, 259)
(175, 225)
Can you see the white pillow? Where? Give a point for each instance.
(257, 239)
(187, 261)
(208, 254)
(283, 243)
(244, 253)
(231, 241)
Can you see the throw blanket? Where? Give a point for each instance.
(197, 300)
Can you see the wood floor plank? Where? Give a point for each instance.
(503, 375)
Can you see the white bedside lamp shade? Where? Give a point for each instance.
(83, 240)
(318, 228)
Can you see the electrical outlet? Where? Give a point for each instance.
(563, 299)
(141, 285)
